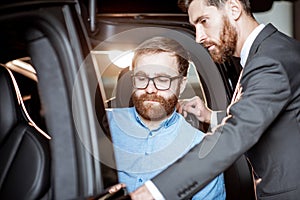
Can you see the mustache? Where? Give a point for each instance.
(207, 44)
(151, 97)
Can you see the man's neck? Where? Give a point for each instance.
(245, 28)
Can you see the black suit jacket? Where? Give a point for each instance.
(263, 123)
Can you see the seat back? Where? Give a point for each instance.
(24, 151)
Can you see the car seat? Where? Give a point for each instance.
(24, 150)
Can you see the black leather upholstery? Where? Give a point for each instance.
(123, 90)
(24, 152)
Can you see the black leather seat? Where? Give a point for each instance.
(123, 90)
(24, 151)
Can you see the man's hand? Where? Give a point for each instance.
(142, 193)
(194, 106)
(116, 188)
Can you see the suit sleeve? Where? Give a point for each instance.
(265, 93)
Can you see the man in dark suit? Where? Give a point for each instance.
(263, 120)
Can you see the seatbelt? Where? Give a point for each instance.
(21, 103)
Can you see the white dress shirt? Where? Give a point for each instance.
(248, 43)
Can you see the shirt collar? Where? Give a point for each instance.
(248, 43)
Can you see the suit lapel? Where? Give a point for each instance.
(238, 92)
(265, 33)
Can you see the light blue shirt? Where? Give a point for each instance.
(142, 153)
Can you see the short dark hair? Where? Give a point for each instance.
(163, 44)
(184, 4)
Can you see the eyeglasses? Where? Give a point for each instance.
(160, 82)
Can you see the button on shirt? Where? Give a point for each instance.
(142, 153)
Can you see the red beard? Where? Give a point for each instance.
(154, 111)
(227, 46)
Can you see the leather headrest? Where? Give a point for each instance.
(124, 89)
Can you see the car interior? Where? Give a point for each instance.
(62, 64)
(203, 81)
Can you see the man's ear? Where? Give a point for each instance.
(183, 84)
(234, 8)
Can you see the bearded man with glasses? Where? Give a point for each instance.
(151, 135)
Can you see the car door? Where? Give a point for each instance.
(52, 38)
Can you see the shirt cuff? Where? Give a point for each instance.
(154, 190)
(213, 119)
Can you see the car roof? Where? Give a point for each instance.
(158, 6)
(130, 6)
(138, 6)
(16, 3)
